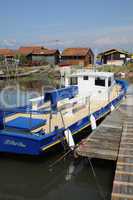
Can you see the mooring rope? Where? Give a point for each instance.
(97, 184)
(60, 158)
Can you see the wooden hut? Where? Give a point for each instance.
(77, 56)
(39, 54)
(7, 54)
(113, 57)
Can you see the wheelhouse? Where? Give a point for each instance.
(97, 84)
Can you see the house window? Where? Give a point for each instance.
(85, 78)
(109, 82)
(100, 81)
(74, 81)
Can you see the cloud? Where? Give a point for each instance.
(9, 43)
(117, 29)
(107, 37)
(56, 42)
(116, 37)
(112, 40)
(99, 38)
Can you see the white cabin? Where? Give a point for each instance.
(97, 85)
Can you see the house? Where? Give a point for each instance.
(77, 56)
(39, 54)
(7, 54)
(50, 56)
(113, 57)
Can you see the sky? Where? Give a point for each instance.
(98, 24)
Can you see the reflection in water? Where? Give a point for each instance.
(31, 179)
(70, 171)
(130, 89)
(15, 93)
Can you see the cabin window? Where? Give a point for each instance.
(85, 78)
(109, 82)
(100, 81)
(74, 81)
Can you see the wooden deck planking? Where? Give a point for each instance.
(81, 110)
(123, 181)
(105, 140)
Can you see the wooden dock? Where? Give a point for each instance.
(113, 140)
(123, 181)
(104, 142)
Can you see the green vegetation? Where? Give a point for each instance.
(1, 59)
(116, 69)
(22, 58)
(47, 75)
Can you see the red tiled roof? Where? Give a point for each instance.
(28, 50)
(44, 51)
(7, 52)
(36, 50)
(75, 52)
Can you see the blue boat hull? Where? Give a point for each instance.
(30, 144)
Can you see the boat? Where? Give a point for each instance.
(58, 116)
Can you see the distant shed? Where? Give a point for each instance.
(113, 57)
(50, 56)
(7, 54)
(77, 56)
(40, 54)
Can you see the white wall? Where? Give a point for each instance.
(87, 87)
(115, 62)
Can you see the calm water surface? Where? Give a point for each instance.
(32, 178)
(26, 178)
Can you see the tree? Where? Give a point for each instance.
(1, 59)
(22, 58)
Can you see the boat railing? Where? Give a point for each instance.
(69, 106)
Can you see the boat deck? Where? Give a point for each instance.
(69, 112)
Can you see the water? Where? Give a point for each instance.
(33, 179)
(28, 178)
(18, 92)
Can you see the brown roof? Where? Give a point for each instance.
(110, 51)
(7, 52)
(75, 52)
(36, 50)
(44, 51)
(28, 50)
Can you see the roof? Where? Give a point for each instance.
(76, 51)
(110, 51)
(44, 51)
(36, 50)
(91, 73)
(28, 50)
(7, 52)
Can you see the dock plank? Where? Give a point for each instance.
(113, 140)
(123, 181)
(105, 140)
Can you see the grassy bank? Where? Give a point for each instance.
(117, 69)
(47, 76)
